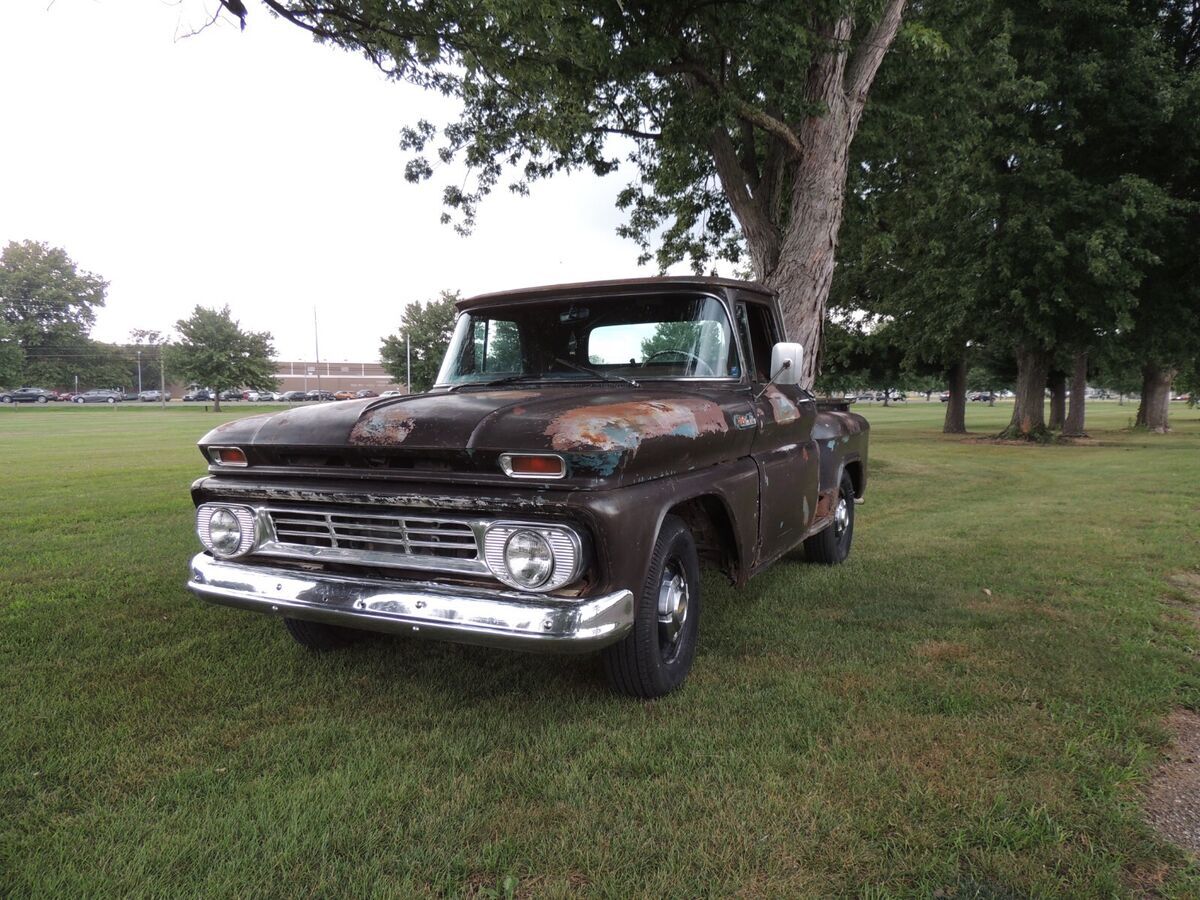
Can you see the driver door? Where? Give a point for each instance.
(783, 447)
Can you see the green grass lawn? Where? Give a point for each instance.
(969, 705)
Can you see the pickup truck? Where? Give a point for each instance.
(585, 450)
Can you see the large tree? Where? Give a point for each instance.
(741, 114)
(425, 329)
(215, 352)
(1000, 176)
(49, 306)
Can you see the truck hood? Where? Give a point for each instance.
(599, 430)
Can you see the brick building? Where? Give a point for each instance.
(334, 376)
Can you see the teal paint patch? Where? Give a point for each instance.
(601, 464)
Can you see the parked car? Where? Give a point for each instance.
(28, 395)
(295, 396)
(562, 499)
(231, 395)
(197, 396)
(99, 396)
(392, 394)
(944, 396)
(154, 396)
(344, 395)
(321, 395)
(362, 395)
(982, 397)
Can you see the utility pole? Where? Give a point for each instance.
(317, 351)
(162, 379)
(407, 364)
(77, 384)
(139, 372)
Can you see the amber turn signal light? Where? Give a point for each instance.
(532, 465)
(228, 456)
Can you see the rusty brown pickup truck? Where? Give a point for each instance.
(586, 448)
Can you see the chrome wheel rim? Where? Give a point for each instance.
(841, 516)
(672, 607)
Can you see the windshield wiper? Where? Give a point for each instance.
(507, 379)
(607, 376)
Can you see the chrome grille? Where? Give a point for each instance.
(398, 540)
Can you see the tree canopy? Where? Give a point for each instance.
(1010, 188)
(428, 327)
(215, 352)
(735, 117)
(49, 306)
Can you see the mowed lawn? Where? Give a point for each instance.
(968, 708)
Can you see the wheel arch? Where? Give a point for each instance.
(710, 520)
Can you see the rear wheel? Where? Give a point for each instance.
(319, 636)
(832, 545)
(656, 656)
(41, 399)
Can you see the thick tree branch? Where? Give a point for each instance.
(860, 72)
(757, 225)
(741, 108)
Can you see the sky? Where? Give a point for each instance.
(256, 169)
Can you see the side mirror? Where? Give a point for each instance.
(787, 360)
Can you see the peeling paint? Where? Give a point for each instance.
(382, 429)
(601, 464)
(624, 426)
(785, 410)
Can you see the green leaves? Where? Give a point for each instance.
(214, 352)
(427, 327)
(47, 308)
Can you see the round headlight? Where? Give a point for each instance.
(529, 559)
(225, 532)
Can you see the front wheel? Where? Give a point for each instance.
(656, 656)
(832, 545)
(41, 399)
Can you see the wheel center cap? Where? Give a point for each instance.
(672, 606)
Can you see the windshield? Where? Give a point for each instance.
(631, 338)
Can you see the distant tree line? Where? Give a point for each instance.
(47, 310)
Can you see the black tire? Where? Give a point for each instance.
(656, 656)
(320, 637)
(41, 399)
(112, 399)
(832, 545)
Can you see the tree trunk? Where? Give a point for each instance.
(956, 409)
(792, 236)
(216, 402)
(1029, 407)
(1074, 424)
(1057, 383)
(1153, 412)
(805, 270)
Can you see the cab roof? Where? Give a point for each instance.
(621, 287)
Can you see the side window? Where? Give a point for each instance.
(760, 335)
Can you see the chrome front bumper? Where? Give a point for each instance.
(465, 615)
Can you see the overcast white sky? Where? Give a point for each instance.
(257, 169)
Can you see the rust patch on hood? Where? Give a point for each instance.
(382, 428)
(623, 426)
